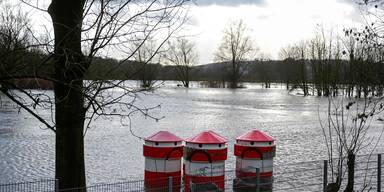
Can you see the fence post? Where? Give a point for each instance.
(170, 187)
(257, 179)
(191, 189)
(56, 185)
(325, 176)
(379, 173)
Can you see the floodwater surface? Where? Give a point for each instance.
(113, 154)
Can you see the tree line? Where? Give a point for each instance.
(332, 65)
(349, 64)
(320, 77)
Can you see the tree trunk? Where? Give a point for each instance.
(187, 77)
(351, 172)
(69, 102)
(234, 75)
(334, 187)
(70, 168)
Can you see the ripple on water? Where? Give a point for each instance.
(113, 154)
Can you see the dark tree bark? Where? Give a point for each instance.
(351, 172)
(235, 77)
(69, 68)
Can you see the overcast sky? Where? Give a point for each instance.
(274, 23)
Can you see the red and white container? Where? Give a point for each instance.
(253, 150)
(204, 162)
(162, 152)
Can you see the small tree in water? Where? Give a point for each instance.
(235, 48)
(147, 55)
(182, 53)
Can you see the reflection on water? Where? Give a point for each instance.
(112, 153)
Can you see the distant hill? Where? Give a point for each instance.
(290, 71)
(254, 71)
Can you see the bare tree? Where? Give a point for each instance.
(346, 133)
(297, 56)
(147, 55)
(84, 29)
(287, 54)
(183, 55)
(15, 39)
(263, 69)
(318, 50)
(235, 48)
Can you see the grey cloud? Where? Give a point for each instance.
(347, 1)
(229, 2)
(351, 2)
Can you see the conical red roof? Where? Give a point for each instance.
(255, 135)
(163, 136)
(206, 137)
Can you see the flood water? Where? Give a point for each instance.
(113, 154)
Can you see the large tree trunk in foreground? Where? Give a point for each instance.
(70, 169)
(69, 102)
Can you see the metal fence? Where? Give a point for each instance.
(131, 186)
(305, 176)
(368, 173)
(48, 185)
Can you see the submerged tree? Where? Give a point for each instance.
(297, 56)
(287, 54)
(263, 69)
(183, 55)
(83, 30)
(147, 55)
(236, 48)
